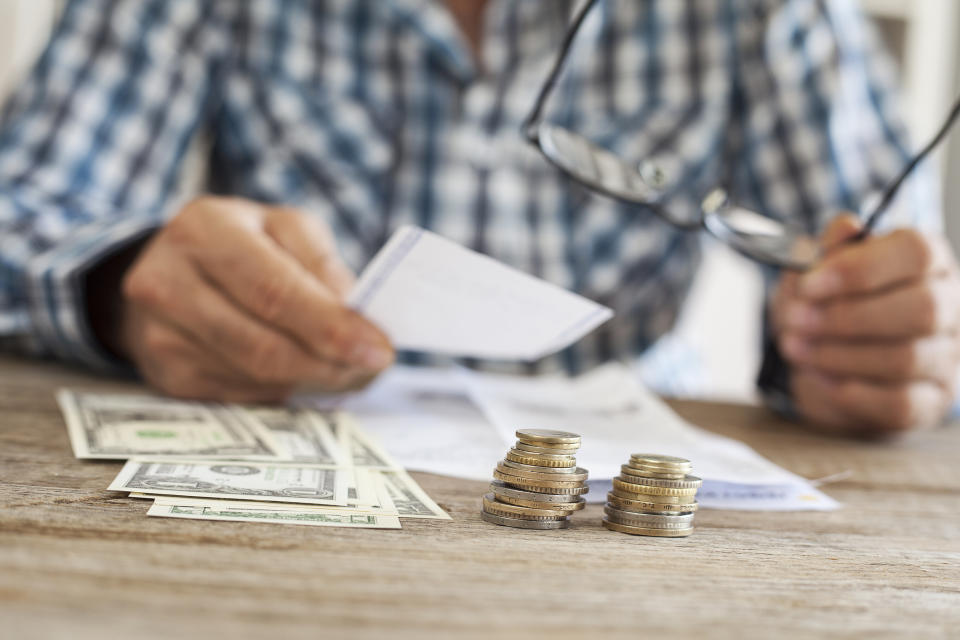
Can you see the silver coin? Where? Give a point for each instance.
(547, 436)
(688, 482)
(537, 468)
(524, 524)
(540, 474)
(566, 492)
(657, 460)
(566, 507)
(501, 489)
(647, 525)
(649, 520)
(629, 470)
(655, 505)
(545, 457)
(550, 451)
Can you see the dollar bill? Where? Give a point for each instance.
(360, 449)
(251, 480)
(303, 435)
(408, 498)
(255, 504)
(114, 426)
(247, 512)
(362, 490)
(375, 498)
(364, 487)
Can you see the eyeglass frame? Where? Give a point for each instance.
(717, 196)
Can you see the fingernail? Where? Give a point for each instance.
(372, 357)
(795, 347)
(821, 284)
(803, 316)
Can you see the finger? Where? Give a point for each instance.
(253, 349)
(876, 264)
(785, 292)
(185, 369)
(854, 406)
(350, 382)
(810, 391)
(890, 408)
(178, 367)
(272, 286)
(915, 310)
(930, 358)
(309, 240)
(841, 229)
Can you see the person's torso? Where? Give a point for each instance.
(375, 115)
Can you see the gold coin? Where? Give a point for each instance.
(644, 531)
(537, 504)
(490, 505)
(560, 473)
(501, 490)
(630, 495)
(565, 449)
(657, 458)
(654, 505)
(540, 487)
(541, 460)
(642, 490)
(577, 476)
(666, 463)
(547, 436)
(644, 472)
(657, 468)
(687, 482)
(513, 483)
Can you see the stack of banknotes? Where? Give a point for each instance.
(212, 461)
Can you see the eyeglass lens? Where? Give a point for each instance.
(757, 236)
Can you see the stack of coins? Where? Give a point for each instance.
(538, 485)
(653, 496)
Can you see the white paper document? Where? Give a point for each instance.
(460, 423)
(616, 416)
(430, 294)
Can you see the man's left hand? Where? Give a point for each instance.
(871, 333)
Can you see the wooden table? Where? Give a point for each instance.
(78, 561)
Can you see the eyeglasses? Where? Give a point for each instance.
(752, 234)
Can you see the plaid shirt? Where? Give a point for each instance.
(374, 114)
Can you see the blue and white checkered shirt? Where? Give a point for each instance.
(374, 113)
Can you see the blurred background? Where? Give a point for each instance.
(721, 321)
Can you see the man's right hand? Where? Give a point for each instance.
(237, 301)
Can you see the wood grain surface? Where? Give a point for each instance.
(77, 561)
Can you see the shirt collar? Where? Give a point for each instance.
(444, 39)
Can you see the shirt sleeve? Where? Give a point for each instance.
(90, 147)
(821, 131)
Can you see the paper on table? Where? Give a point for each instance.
(617, 416)
(430, 294)
(431, 420)
(426, 420)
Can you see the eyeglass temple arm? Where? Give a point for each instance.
(894, 186)
(529, 123)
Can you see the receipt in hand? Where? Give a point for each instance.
(430, 294)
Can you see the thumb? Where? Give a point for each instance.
(311, 242)
(841, 229)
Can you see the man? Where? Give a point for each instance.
(333, 122)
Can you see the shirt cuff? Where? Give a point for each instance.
(57, 290)
(773, 381)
